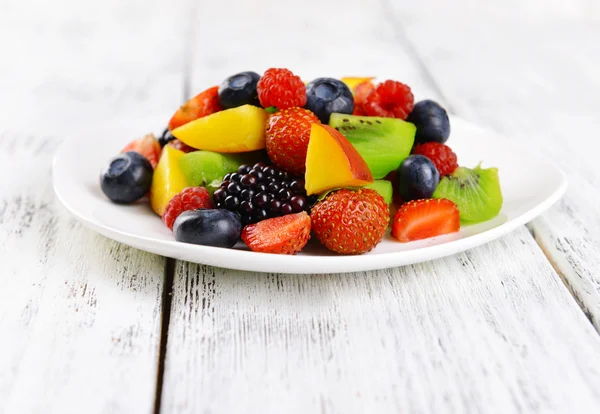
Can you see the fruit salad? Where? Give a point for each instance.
(272, 161)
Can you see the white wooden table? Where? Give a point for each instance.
(91, 326)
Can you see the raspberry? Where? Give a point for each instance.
(441, 155)
(281, 88)
(390, 99)
(191, 198)
(287, 136)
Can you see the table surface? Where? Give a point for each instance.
(91, 326)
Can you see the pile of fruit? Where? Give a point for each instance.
(271, 160)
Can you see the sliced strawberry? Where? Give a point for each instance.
(148, 146)
(201, 105)
(421, 219)
(280, 235)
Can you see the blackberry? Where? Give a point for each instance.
(260, 191)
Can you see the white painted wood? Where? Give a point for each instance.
(491, 330)
(536, 81)
(79, 315)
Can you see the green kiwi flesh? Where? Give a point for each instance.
(207, 168)
(476, 192)
(382, 142)
(384, 188)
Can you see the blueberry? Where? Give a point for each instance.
(431, 121)
(209, 227)
(238, 90)
(417, 178)
(127, 178)
(327, 95)
(165, 138)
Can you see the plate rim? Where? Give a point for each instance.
(346, 263)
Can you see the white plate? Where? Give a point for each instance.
(530, 184)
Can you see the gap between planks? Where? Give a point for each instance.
(164, 330)
(398, 30)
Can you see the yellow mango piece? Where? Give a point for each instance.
(167, 180)
(332, 162)
(353, 82)
(240, 129)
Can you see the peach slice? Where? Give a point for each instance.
(240, 129)
(354, 82)
(168, 179)
(332, 162)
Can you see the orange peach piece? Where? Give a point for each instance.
(332, 162)
(354, 82)
(240, 129)
(168, 179)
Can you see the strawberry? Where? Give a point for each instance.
(420, 219)
(351, 221)
(201, 105)
(280, 235)
(441, 155)
(287, 136)
(148, 146)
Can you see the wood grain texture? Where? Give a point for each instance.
(490, 330)
(479, 332)
(79, 315)
(540, 85)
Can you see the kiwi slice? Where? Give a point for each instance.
(476, 192)
(382, 142)
(384, 188)
(207, 168)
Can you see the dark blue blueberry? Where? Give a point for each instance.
(417, 178)
(325, 96)
(127, 178)
(165, 138)
(431, 121)
(238, 90)
(209, 227)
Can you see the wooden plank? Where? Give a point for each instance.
(80, 315)
(533, 83)
(492, 329)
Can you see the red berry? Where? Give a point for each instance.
(191, 198)
(148, 146)
(181, 146)
(350, 221)
(421, 219)
(201, 105)
(361, 91)
(280, 235)
(389, 99)
(287, 136)
(281, 88)
(440, 154)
